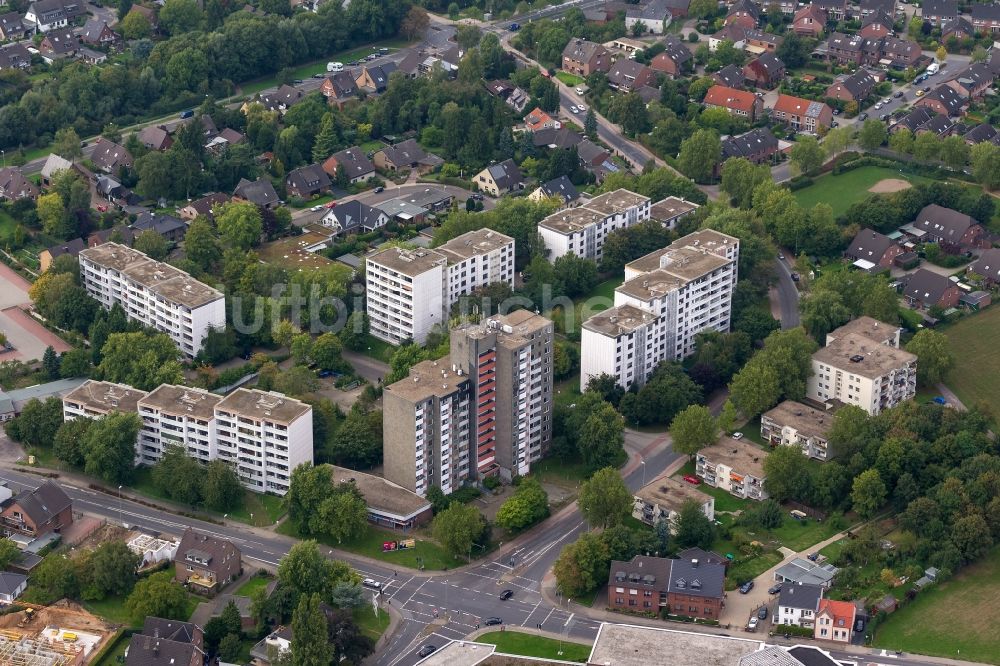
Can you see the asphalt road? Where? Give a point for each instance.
(788, 295)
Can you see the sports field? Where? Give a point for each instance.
(976, 375)
(850, 187)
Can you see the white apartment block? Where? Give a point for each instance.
(582, 230)
(264, 435)
(411, 291)
(669, 296)
(427, 425)
(664, 498)
(862, 365)
(792, 423)
(736, 466)
(153, 293)
(177, 416)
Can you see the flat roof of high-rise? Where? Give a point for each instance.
(408, 262)
(632, 645)
(671, 493)
(263, 405)
(522, 323)
(740, 455)
(569, 220)
(860, 355)
(419, 261)
(876, 330)
(619, 320)
(105, 397)
(182, 400)
(807, 421)
(472, 243)
(685, 262)
(429, 379)
(171, 283)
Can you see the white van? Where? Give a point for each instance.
(933, 68)
(334, 66)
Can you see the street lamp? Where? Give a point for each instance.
(643, 463)
(121, 511)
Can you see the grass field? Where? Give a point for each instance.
(569, 79)
(976, 375)
(529, 645)
(432, 556)
(957, 618)
(848, 188)
(371, 626)
(255, 583)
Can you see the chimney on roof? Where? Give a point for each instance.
(694, 563)
(156, 649)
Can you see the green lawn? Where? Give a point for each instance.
(559, 471)
(744, 571)
(724, 500)
(957, 618)
(569, 79)
(529, 645)
(832, 551)
(110, 657)
(800, 534)
(432, 556)
(7, 225)
(848, 188)
(372, 626)
(380, 350)
(606, 290)
(255, 583)
(113, 609)
(976, 375)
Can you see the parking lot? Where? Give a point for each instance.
(28, 338)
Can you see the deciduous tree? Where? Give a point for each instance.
(693, 429)
(458, 527)
(604, 500)
(158, 595)
(934, 356)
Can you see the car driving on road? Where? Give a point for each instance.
(426, 650)
(506, 594)
(491, 621)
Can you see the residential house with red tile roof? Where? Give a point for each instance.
(835, 620)
(802, 115)
(810, 21)
(539, 120)
(737, 102)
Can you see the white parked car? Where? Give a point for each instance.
(878, 105)
(334, 66)
(582, 108)
(752, 624)
(316, 209)
(572, 109)
(372, 583)
(886, 101)
(579, 90)
(737, 435)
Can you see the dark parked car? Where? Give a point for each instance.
(514, 27)
(898, 94)
(813, 557)
(506, 594)
(426, 651)
(762, 613)
(859, 625)
(774, 589)
(746, 587)
(379, 190)
(187, 114)
(862, 116)
(490, 621)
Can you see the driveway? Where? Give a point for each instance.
(371, 369)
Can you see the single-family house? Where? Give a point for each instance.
(810, 21)
(590, 154)
(735, 33)
(939, 11)
(206, 563)
(45, 15)
(802, 115)
(758, 41)
(13, 27)
(835, 620)
(973, 81)
(583, 58)
(744, 13)
(168, 227)
(406, 155)
(98, 33)
(539, 120)
(339, 88)
(155, 137)
(12, 585)
(986, 18)
(736, 102)
(959, 27)
(730, 76)
(797, 604)
(854, 88)
(944, 225)
(867, 7)
(174, 630)
(561, 188)
(628, 75)
(14, 56)
(876, 25)
(48, 255)
(58, 43)
(354, 217)
(150, 650)
(758, 145)
(835, 9)
(925, 289)
(675, 60)
(375, 79)
(14, 186)
(307, 181)
(765, 71)
(109, 157)
(38, 512)
(987, 266)
(654, 16)
(355, 164)
(498, 179)
(556, 138)
(259, 192)
(203, 206)
(149, 13)
(282, 99)
(874, 249)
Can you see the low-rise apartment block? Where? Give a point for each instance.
(484, 410)
(153, 293)
(263, 435)
(736, 466)
(582, 230)
(798, 603)
(863, 365)
(684, 587)
(793, 424)
(663, 499)
(669, 296)
(411, 291)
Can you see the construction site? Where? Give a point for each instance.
(63, 634)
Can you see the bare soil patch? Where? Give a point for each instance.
(887, 185)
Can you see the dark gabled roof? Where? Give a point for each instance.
(880, 17)
(410, 63)
(985, 12)
(939, 8)
(675, 49)
(870, 245)
(211, 551)
(11, 22)
(161, 224)
(926, 286)
(149, 651)
(380, 74)
(409, 152)
(204, 205)
(582, 50)
(92, 30)
(959, 24)
(171, 630)
(654, 571)
(745, 7)
(9, 582)
(859, 84)
(14, 55)
(109, 155)
(354, 214)
(765, 37)
(950, 98)
(749, 143)
(704, 579)
(974, 76)
(309, 178)
(943, 222)
(980, 133)
(343, 84)
(560, 187)
(730, 76)
(72, 248)
(885, 6)
(988, 264)
(840, 41)
(505, 174)
(809, 655)
(260, 191)
(800, 595)
(44, 502)
(560, 138)
(939, 125)
(769, 62)
(155, 136)
(589, 151)
(354, 162)
(624, 70)
(654, 10)
(916, 117)
(61, 41)
(284, 97)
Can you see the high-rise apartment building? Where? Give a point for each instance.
(862, 365)
(669, 296)
(263, 435)
(411, 291)
(153, 293)
(484, 410)
(582, 230)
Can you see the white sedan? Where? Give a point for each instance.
(316, 209)
(371, 583)
(582, 108)
(573, 109)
